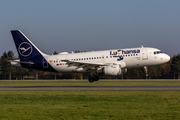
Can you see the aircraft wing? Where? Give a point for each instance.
(85, 65)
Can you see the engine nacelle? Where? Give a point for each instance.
(124, 70)
(112, 70)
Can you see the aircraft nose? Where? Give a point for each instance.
(166, 58)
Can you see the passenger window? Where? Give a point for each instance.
(94, 57)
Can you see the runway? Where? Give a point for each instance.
(89, 88)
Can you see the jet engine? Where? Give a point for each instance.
(112, 70)
(115, 69)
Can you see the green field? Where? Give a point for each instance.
(86, 83)
(91, 105)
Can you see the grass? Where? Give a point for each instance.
(90, 105)
(86, 83)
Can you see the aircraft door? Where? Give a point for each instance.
(144, 54)
(45, 63)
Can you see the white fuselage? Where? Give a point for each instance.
(132, 57)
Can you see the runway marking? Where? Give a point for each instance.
(89, 88)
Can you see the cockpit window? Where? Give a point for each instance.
(158, 52)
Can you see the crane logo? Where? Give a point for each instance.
(25, 49)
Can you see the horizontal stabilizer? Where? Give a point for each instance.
(18, 62)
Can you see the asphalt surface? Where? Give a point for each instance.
(90, 88)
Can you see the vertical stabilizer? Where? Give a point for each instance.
(25, 48)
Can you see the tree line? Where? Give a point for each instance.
(169, 70)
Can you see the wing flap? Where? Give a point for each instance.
(85, 65)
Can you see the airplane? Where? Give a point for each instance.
(110, 62)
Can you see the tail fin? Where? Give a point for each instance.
(26, 49)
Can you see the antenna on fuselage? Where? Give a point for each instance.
(142, 46)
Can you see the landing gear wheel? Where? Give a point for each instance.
(96, 78)
(91, 79)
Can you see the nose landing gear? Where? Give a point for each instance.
(146, 70)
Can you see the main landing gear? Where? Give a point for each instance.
(93, 78)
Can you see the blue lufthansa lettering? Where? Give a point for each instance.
(130, 51)
(114, 53)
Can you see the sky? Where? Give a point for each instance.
(69, 25)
